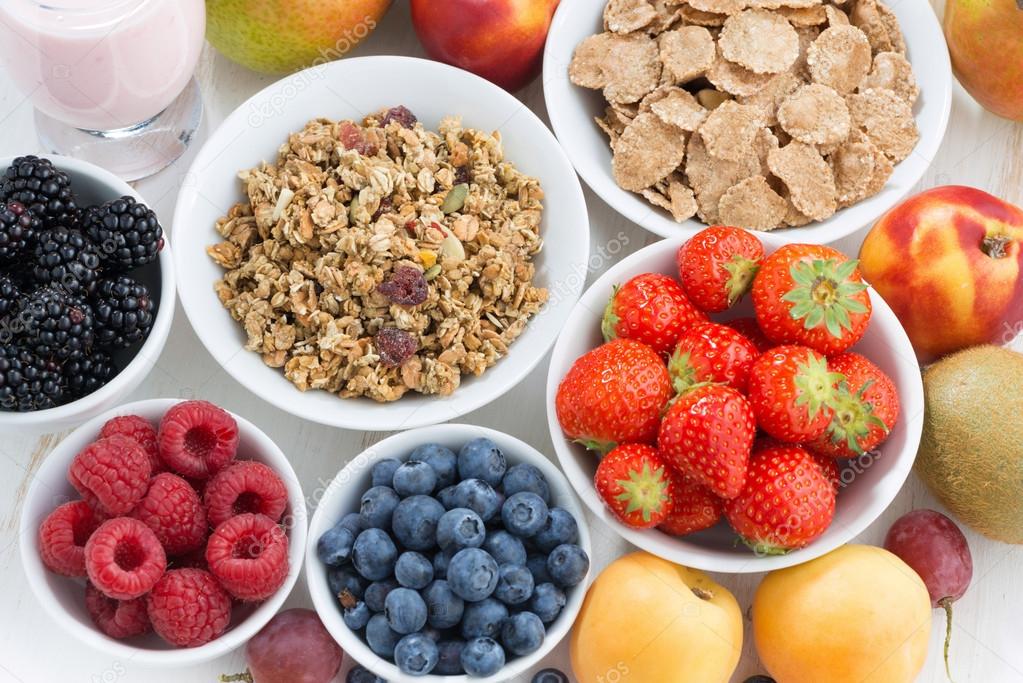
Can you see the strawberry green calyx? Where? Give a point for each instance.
(610, 320)
(853, 419)
(602, 447)
(816, 384)
(645, 491)
(825, 294)
(741, 272)
(682, 372)
(765, 548)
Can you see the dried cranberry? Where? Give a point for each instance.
(400, 114)
(354, 138)
(406, 286)
(395, 346)
(385, 205)
(463, 175)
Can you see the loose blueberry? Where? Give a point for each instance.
(444, 609)
(442, 559)
(415, 522)
(449, 660)
(537, 566)
(360, 674)
(482, 459)
(560, 528)
(460, 528)
(505, 548)
(482, 657)
(568, 564)
(416, 655)
(526, 477)
(522, 633)
(446, 496)
(443, 461)
(341, 579)
(353, 522)
(413, 570)
(383, 471)
(374, 555)
(335, 546)
(478, 496)
(405, 611)
(483, 619)
(550, 676)
(547, 602)
(377, 592)
(356, 616)
(524, 514)
(377, 507)
(414, 478)
(514, 584)
(472, 574)
(380, 637)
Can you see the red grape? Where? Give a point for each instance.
(293, 647)
(936, 549)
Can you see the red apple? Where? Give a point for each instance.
(500, 40)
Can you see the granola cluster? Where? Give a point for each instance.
(376, 258)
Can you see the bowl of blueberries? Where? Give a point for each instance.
(86, 292)
(452, 553)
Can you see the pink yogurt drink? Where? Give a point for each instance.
(101, 65)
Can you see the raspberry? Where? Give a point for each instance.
(249, 556)
(124, 558)
(246, 486)
(62, 537)
(188, 607)
(139, 429)
(197, 439)
(112, 474)
(117, 618)
(172, 509)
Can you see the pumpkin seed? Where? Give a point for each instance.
(455, 199)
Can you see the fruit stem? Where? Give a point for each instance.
(946, 603)
(702, 593)
(244, 677)
(994, 245)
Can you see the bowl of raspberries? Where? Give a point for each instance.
(450, 553)
(86, 291)
(735, 408)
(166, 532)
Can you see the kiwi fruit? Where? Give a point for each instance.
(971, 451)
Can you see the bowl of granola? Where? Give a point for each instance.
(802, 116)
(415, 251)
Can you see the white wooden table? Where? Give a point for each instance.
(980, 150)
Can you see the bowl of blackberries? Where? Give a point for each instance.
(451, 553)
(86, 291)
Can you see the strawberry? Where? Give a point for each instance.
(811, 295)
(792, 390)
(717, 266)
(635, 484)
(749, 328)
(614, 394)
(787, 502)
(693, 507)
(866, 409)
(707, 434)
(650, 308)
(710, 352)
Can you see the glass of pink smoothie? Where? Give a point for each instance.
(111, 80)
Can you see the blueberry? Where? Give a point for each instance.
(483, 619)
(482, 657)
(341, 579)
(335, 546)
(568, 564)
(377, 592)
(374, 554)
(380, 637)
(537, 566)
(526, 477)
(449, 658)
(357, 616)
(442, 559)
(550, 676)
(446, 496)
(522, 633)
(482, 459)
(416, 655)
(415, 522)
(383, 472)
(559, 528)
(442, 459)
(353, 522)
(478, 496)
(432, 633)
(444, 609)
(472, 574)
(377, 506)
(505, 548)
(405, 611)
(413, 570)
(514, 584)
(524, 514)
(547, 602)
(414, 478)
(360, 674)
(460, 528)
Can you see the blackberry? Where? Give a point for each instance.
(127, 233)
(84, 375)
(42, 188)
(55, 325)
(18, 230)
(124, 312)
(10, 296)
(65, 258)
(27, 382)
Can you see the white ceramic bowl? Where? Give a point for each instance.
(869, 483)
(353, 88)
(572, 109)
(342, 496)
(94, 185)
(64, 598)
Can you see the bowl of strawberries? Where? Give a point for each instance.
(732, 408)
